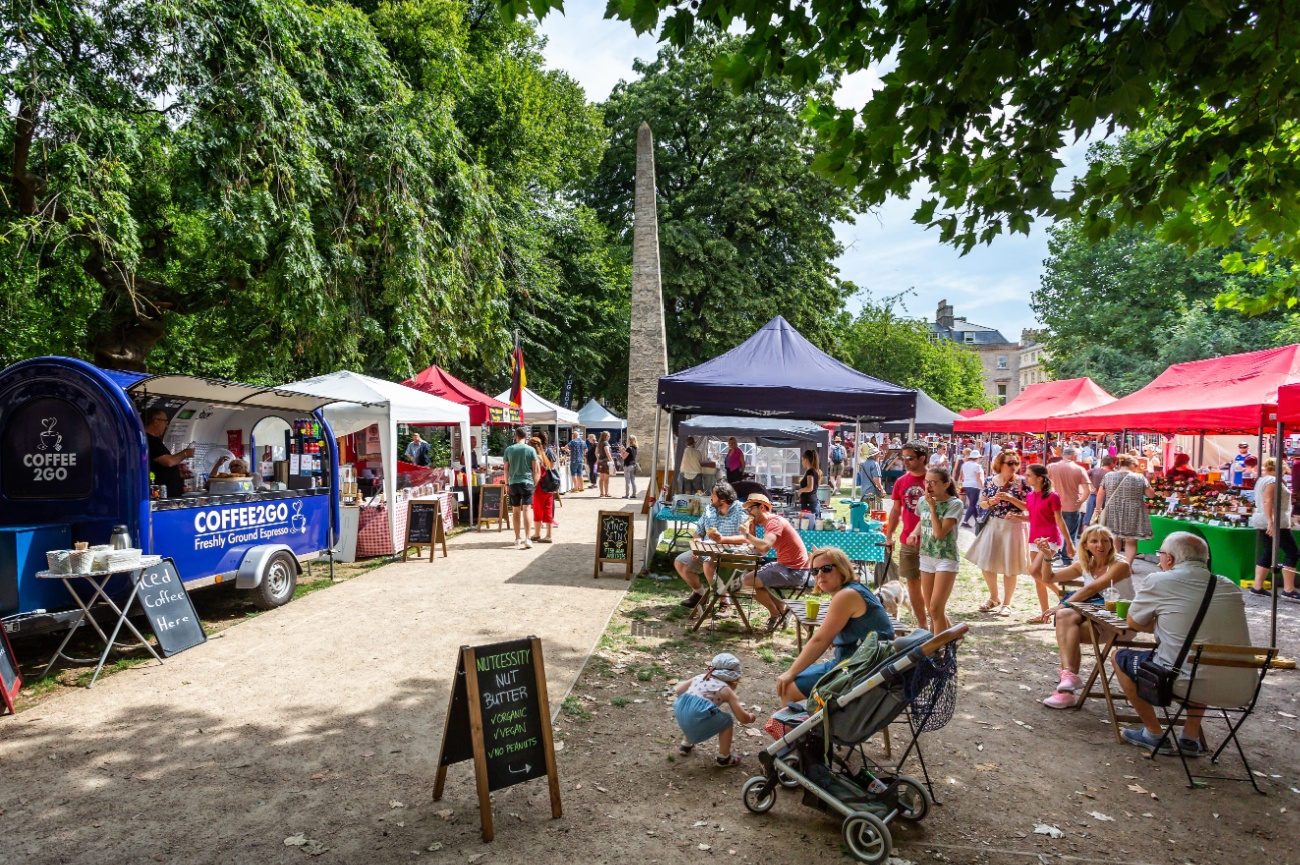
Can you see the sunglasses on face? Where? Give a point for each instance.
(822, 569)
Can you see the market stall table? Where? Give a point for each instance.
(98, 580)
(1108, 631)
(1232, 548)
(665, 515)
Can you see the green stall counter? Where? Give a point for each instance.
(1232, 549)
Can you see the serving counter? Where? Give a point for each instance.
(1232, 548)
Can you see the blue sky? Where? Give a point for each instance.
(885, 252)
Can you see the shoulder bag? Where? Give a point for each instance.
(1155, 678)
(550, 481)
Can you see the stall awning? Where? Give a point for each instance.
(213, 390)
(540, 410)
(1031, 410)
(483, 409)
(932, 418)
(364, 401)
(778, 373)
(596, 416)
(1237, 393)
(1288, 404)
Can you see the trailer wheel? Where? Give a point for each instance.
(279, 579)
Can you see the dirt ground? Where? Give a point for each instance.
(323, 720)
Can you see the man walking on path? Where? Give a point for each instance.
(521, 476)
(1070, 481)
(838, 453)
(578, 463)
(908, 491)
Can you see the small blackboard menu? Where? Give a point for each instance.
(11, 680)
(499, 717)
(424, 527)
(492, 505)
(614, 538)
(168, 607)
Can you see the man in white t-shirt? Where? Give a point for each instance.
(1166, 605)
(971, 477)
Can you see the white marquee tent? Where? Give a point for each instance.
(375, 401)
(539, 411)
(593, 415)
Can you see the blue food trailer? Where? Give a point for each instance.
(74, 463)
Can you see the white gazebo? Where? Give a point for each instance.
(593, 415)
(539, 411)
(369, 401)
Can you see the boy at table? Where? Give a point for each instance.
(1166, 605)
(790, 569)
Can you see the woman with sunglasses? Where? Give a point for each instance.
(1003, 546)
(854, 611)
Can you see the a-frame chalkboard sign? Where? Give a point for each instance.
(424, 527)
(11, 678)
(492, 504)
(499, 717)
(614, 538)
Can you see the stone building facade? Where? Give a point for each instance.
(999, 356)
(1032, 370)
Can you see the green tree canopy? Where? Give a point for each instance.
(978, 96)
(1123, 309)
(745, 224)
(884, 342)
(247, 173)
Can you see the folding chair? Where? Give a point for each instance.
(1216, 655)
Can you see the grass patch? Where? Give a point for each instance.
(572, 707)
(619, 701)
(647, 672)
(766, 654)
(117, 666)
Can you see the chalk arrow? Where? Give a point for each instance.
(521, 771)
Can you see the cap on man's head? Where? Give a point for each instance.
(758, 498)
(1244, 445)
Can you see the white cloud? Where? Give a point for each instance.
(596, 52)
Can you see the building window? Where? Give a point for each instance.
(1002, 394)
(1002, 361)
(969, 338)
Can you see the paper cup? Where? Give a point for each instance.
(1121, 608)
(811, 610)
(58, 561)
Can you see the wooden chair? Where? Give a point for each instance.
(1216, 655)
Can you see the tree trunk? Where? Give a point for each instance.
(135, 318)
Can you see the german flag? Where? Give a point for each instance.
(518, 378)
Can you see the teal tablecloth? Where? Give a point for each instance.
(866, 546)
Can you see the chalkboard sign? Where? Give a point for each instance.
(168, 608)
(424, 527)
(499, 718)
(614, 538)
(11, 680)
(492, 505)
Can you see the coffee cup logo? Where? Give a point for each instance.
(50, 440)
(298, 521)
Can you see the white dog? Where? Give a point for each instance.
(892, 595)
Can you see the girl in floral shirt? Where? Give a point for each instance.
(939, 511)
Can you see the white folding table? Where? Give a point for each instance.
(99, 580)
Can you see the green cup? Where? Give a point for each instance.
(1121, 608)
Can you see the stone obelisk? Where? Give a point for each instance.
(648, 343)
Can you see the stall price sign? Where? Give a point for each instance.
(424, 527)
(168, 608)
(614, 537)
(492, 506)
(11, 680)
(499, 718)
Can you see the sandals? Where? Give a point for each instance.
(544, 541)
(729, 760)
(1004, 611)
(1038, 620)
(989, 606)
(685, 748)
(776, 623)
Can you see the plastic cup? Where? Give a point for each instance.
(811, 609)
(1121, 609)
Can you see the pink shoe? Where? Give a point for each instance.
(1069, 682)
(1061, 700)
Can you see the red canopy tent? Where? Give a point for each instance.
(1229, 394)
(1036, 405)
(971, 412)
(1288, 404)
(483, 409)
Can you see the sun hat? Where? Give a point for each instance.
(838, 439)
(870, 449)
(760, 498)
(725, 667)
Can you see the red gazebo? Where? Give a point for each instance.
(483, 409)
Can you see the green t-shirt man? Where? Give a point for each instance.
(519, 463)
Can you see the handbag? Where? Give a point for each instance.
(1155, 678)
(550, 480)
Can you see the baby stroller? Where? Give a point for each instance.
(818, 752)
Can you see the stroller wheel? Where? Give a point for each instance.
(867, 838)
(913, 800)
(758, 795)
(785, 780)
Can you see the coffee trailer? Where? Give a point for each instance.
(74, 463)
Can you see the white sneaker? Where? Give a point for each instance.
(519, 543)
(528, 545)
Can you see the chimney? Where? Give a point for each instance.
(943, 315)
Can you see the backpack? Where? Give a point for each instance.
(846, 724)
(837, 454)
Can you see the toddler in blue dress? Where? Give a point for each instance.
(698, 708)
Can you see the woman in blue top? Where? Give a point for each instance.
(854, 611)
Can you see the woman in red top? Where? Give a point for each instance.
(1182, 470)
(1045, 524)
